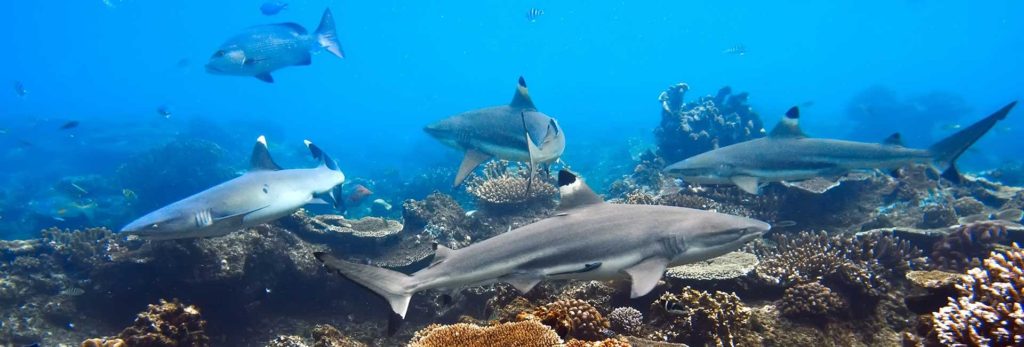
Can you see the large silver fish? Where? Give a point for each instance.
(263, 194)
(788, 155)
(587, 239)
(263, 49)
(517, 132)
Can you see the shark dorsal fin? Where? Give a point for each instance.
(261, 159)
(522, 97)
(894, 140)
(789, 126)
(575, 192)
(441, 253)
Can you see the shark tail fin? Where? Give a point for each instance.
(391, 285)
(319, 154)
(945, 152)
(327, 36)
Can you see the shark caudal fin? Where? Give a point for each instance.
(333, 196)
(391, 285)
(327, 36)
(945, 152)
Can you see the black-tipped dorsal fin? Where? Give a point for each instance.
(895, 140)
(789, 126)
(522, 97)
(575, 192)
(441, 253)
(261, 159)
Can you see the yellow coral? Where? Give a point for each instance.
(526, 334)
(570, 318)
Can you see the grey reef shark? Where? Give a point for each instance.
(516, 132)
(787, 154)
(585, 239)
(264, 193)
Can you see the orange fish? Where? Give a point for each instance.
(358, 194)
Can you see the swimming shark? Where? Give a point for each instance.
(586, 239)
(264, 193)
(787, 154)
(516, 132)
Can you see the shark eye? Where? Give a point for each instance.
(218, 54)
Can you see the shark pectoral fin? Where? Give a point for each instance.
(260, 159)
(523, 283)
(306, 60)
(521, 99)
(574, 192)
(645, 275)
(319, 201)
(472, 159)
(237, 218)
(748, 184)
(265, 77)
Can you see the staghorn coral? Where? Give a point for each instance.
(167, 324)
(962, 247)
(570, 318)
(626, 321)
(700, 318)
(503, 188)
(526, 334)
(811, 300)
(988, 310)
(688, 129)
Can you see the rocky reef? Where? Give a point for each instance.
(690, 128)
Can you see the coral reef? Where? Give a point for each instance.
(570, 319)
(366, 232)
(327, 336)
(811, 300)
(526, 333)
(104, 343)
(700, 318)
(505, 188)
(988, 310)
(167, 324)
(962, 247)
(707, 123)
(728, 266)
(626, 321)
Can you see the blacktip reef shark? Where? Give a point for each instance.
(516, 132)
(587, 239)
(264, 193)
(787, 154)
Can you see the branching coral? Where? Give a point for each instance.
(570, 318)
(167, 324)
(626, 321)
(811, 300)
(639, 197)
(964, 245)
(505, 186)
(691, 128)
(700, 318)
(79, 248)
(527, 333)
(988, 310)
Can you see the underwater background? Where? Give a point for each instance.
(109, 114)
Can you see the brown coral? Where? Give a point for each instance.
(700, 318)
(527, 334)
(104, 343)
(963, 247)
(570, 318)
(327, 336)
(988, 310)
(167, 324)
(812, 300)
(505, 187)
(614, 342)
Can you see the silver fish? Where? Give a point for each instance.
(263, 49)
(534, 13)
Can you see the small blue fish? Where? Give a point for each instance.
(164, 111)
(533, 14)
(271, 8)
(736, 50)
(19, 88)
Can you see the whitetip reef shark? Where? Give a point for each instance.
(265, 193)
(516, 132)
(787, 154)
(587, 239)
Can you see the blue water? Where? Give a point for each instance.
(597, 66)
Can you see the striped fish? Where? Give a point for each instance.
(533, 13)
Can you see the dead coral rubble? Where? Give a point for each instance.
(988, 310)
